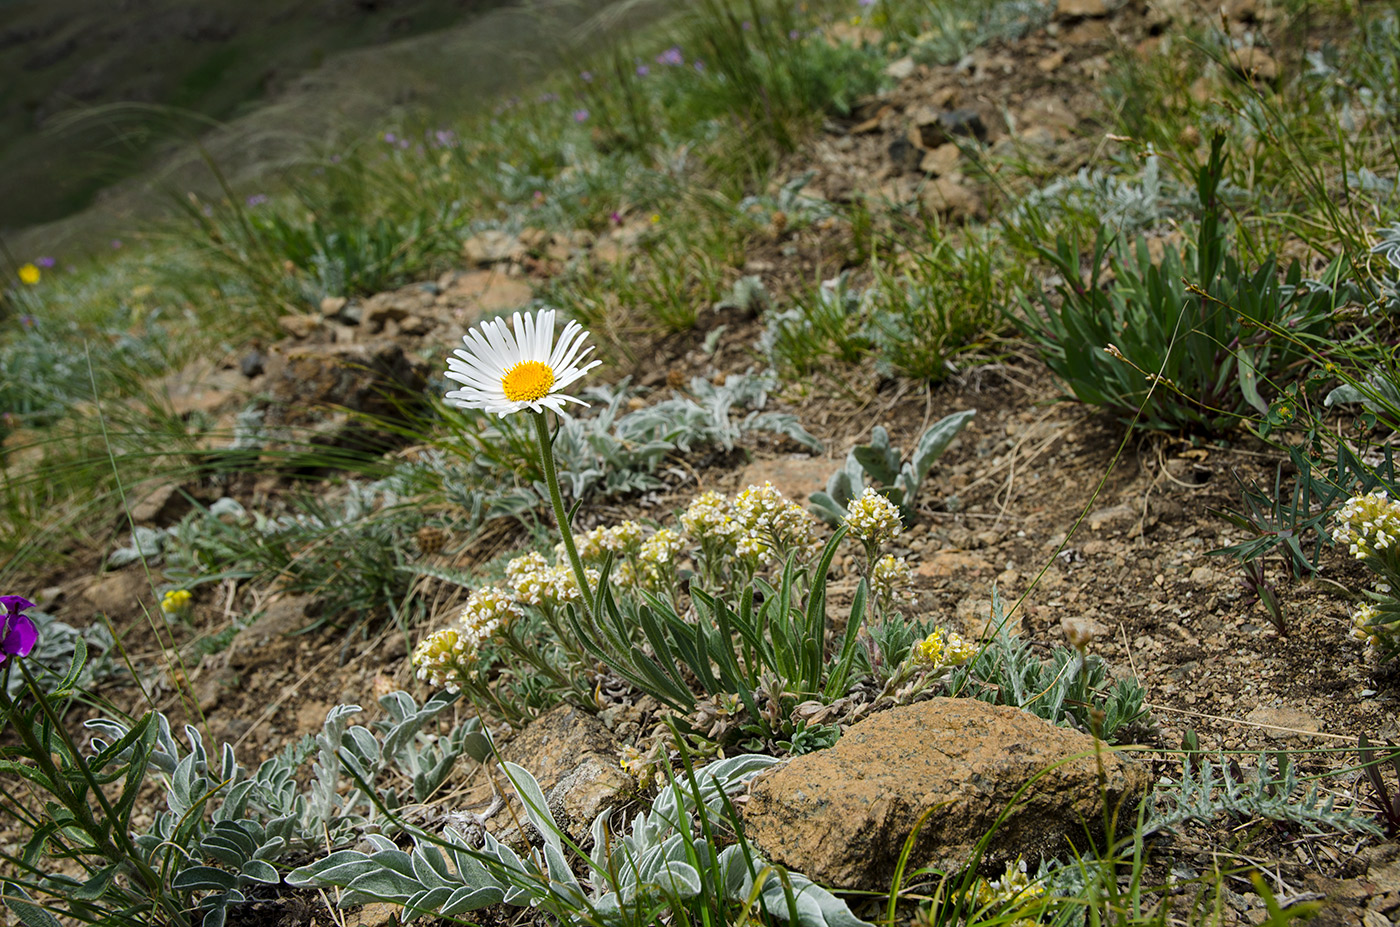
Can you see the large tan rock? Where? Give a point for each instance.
(574, 759)
(842, 816)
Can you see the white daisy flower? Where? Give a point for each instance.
(504, 371)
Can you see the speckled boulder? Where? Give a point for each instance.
(841, 816)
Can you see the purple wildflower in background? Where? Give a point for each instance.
(643, 70)
(18, 635)
(748, 26)
(580, 115)
(45, 262)
(586, 77)
(549, 97)
(445, 138)
(257, 199)
(865, 2)
(699, 65)
(671, 56)
(390, 138)
(404, 143)
(116, 243)
(27, 321)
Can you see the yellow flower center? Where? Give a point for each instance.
(527, 381)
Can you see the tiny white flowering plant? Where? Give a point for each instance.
(1369, 527)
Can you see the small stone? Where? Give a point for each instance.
(492, 246)
(948, 197)
(377, 914)
(332, 305)
(796, 476)
(299, 326)
(253, 364)
(946, 563)
(1283, 723)
(900, 68)
(958, 123)
(1255, 63)
(1117, 516)
(904, 154)
(415, 325)
(161, 506)
(482, 292)
(1050, 63)
(942, 160)
(1081, 9)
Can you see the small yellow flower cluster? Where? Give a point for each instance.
(175, 602)
(443, 659)
(873, 519)
(710, 517)
(891, 581)
(1368, 524)
(637, 765)
(1013, 888)
(1368, 625)
(942, 648)
(771, 522)
(450, 656)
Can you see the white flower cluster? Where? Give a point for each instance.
(534, 582)
(769, 516)
(710, 517)
(661, 548)
(488, 609)
(873, 519)
(1013, 887)
(1368, 524)
(442, 658)
(892, 581)
(619, 540)
(758, 526)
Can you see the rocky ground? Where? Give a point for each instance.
(1045, 502)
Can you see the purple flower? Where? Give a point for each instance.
(794, 35)
(671, 56)
(580, 115)
(643, 70)
(116, 243)
(616, 219)
(257, 199)
(748, 26)
(445, 138)
(390, 137)
(45, 261)
(865, 2)
(27, 321)
(699, 65)
(18, 634)
(549, 97)
(586, 77)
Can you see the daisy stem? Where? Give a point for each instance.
(566, 530)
